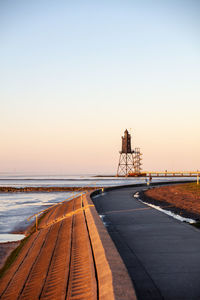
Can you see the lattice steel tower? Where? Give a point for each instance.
(126, 159)
(137, 160)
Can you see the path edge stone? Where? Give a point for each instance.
(113, 278)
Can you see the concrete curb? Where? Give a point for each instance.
(112, 276)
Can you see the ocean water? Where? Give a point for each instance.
(15, 208)
(27, 180)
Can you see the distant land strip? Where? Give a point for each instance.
(8, 189)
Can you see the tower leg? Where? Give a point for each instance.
(118, 165)
(126, 164)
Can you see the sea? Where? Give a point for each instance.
(17, 207)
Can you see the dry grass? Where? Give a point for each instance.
(184, 196)
(192, 188)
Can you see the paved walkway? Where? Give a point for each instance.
(162, 255)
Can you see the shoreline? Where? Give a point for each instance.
(6, 248)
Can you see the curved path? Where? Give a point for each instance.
(162, 255)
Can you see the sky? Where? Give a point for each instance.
(75, 74)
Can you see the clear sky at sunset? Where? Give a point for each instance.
(75, 74)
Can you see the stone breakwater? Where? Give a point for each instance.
(70, 256)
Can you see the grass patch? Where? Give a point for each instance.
(13, 256)
(191, 187)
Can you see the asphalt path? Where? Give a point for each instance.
(162, 254)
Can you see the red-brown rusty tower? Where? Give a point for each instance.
(126, 159)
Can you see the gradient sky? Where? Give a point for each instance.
(75, 74)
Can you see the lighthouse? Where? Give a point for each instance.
(129, 160)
